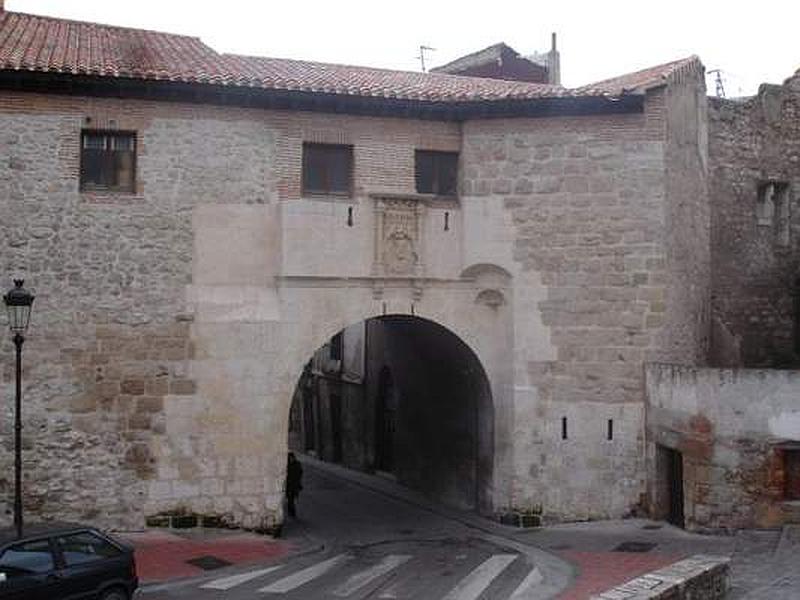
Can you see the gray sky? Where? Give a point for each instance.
(751, 42)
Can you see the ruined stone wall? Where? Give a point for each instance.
(590, 207)
(732, 427)
(755, 241)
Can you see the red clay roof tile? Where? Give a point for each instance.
(46, 44)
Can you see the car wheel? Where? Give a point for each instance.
(114, 594)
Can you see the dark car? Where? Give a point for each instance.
(61, 561)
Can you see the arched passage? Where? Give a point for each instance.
(404, 396)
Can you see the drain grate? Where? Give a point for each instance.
(634, 547)
(208, 563)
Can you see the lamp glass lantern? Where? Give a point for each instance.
(18, 303)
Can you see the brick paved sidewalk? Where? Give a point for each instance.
(163, 555)
(601, 571)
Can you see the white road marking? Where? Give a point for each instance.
(481, 577)
(525, 589)
(359, 580)
(227, 583)
(295, 580)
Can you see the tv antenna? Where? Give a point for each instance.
(421, 57)
(718, 82)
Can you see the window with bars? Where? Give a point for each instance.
(327, 169)
(108, 161)
(436, 172)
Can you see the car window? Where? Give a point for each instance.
(85, 547)
(27, 558)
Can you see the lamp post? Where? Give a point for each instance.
(18, 302)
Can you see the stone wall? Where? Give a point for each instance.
(754, 142)
(155, 331)
(732, 427)
(172, 325)
(592, 202)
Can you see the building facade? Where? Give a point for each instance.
(196, 226)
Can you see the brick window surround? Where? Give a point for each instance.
(327, 170)
(436, 172)
(108, 161)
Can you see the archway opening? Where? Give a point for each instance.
(403, 397)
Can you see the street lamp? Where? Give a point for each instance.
(18, 302)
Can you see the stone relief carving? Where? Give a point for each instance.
(398, 227)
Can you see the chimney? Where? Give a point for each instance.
(553, 63)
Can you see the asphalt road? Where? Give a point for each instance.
(371, 545)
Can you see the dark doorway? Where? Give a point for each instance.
(309, 431)
(386, 415)
(672, 461)
(403, 395)
(336, 427)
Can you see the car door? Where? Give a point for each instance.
(89, 563)
(28, 571)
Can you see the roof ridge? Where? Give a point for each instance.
(107, 26)
(660, 71)
(430, 74)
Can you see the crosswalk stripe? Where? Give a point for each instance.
(227, 583)
(359, 580)
(480, 578)
(525, 589)
(295, 580)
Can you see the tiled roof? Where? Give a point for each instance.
(298, 75)
(481, 57)
(32, 43)
(640, 81)
(50, 45)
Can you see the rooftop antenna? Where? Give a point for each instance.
(718, 81)
(421, 56)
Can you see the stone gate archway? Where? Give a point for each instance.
(401, 395)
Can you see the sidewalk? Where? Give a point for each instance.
(168, 554)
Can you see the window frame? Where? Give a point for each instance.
(98, 539)
(791, 469)
(54, 564)
(439, 160)
(90, 187)
(311, 147)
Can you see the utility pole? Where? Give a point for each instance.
(718, 81)
(421, 56)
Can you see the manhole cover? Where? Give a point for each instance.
(652, 527)
(634, 547)
(208, 563)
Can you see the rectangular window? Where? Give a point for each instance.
(773, 210)
(27, 558)
(436, 172)
(791, 469)
(327, 169)
(108, 161)
(81, 548)
(336, 347)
